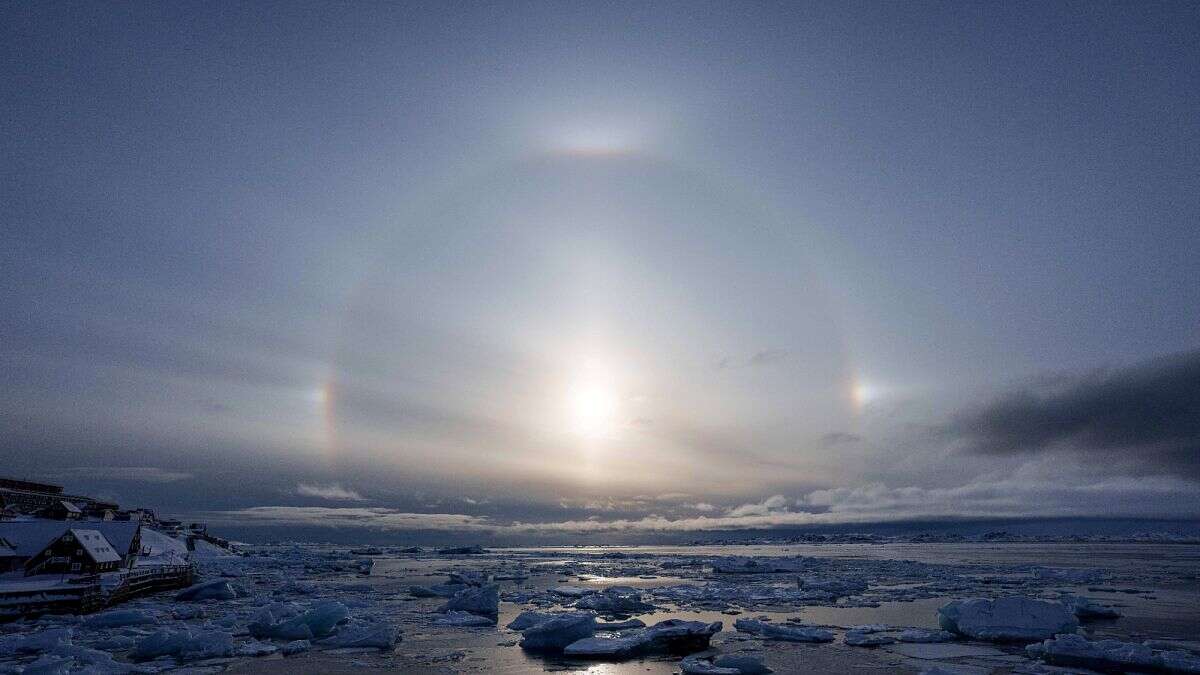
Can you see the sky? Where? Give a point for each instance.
(599, 268)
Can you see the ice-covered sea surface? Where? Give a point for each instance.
(337, 609)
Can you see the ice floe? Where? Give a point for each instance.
(1010, 619)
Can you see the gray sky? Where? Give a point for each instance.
(572, 266)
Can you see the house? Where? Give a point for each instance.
(61, 510)
(31, 536)
(76, 551)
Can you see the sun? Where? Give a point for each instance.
(592, 407)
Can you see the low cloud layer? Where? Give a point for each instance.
(330, 492)
(1013, 496)
(1146, 416)
(142, 474)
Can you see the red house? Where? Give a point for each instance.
(76, 551)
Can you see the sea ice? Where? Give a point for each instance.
(529, 618)
(920, 635)
(117, 618)
(219, 589)
(615, 599)
(1007, 619)
(673, 635)
(285, 621)
(725, 664)
(296, 647)
(186, 644)
(481, 600)
(377, 634)
(856, 638)
(42, 641)
(1079, 652)
(1087, 609)
(558, 632)
(464, 619)
(771, 631)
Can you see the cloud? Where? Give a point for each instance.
(330, 492)
(1017, 494)
(143, 474)
(1147, 416)
(838, 438)
(672, 496)
(768, 505)
(356, 517)
(701, 506)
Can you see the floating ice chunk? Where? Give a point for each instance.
(481, 600)
(675, 635)
(378, 634)
(694, 665)
(463, 550)
(210, 590)
(572, 591)
(284, 621)
(738, 565)
(745, 664)
(558, 632)
(255, 648)
(296, 647)
(1007, 619)
(117, 618)
(528, 619)
(67, 658)
(457, 618)
(1079, 652)
(620, 625)
(616, 599)
(186, 644)
(469, 578)
(770, 631)
(834, 587)
(35, 643)
(920, 635)
(856, 638)
(1087, 609)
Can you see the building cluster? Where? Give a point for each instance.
(46, 531)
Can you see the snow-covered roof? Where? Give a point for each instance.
(96, 545)
(30, 536)
(71, 508)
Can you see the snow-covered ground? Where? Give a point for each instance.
(798, 608)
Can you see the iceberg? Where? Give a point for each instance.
(1010, 619)
(769, 631)
(558, 632)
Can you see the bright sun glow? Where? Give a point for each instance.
(592, 406)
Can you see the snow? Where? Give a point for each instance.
(155, 543)
(1077, 651)
(1010, 619)
(529, 618)
(96, 545)
(558, 632)
(789, 633)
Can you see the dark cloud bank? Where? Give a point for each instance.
(1145, 416)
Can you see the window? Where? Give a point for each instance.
(74, 567)
(78, 551)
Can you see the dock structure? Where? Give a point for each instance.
(46, 594)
